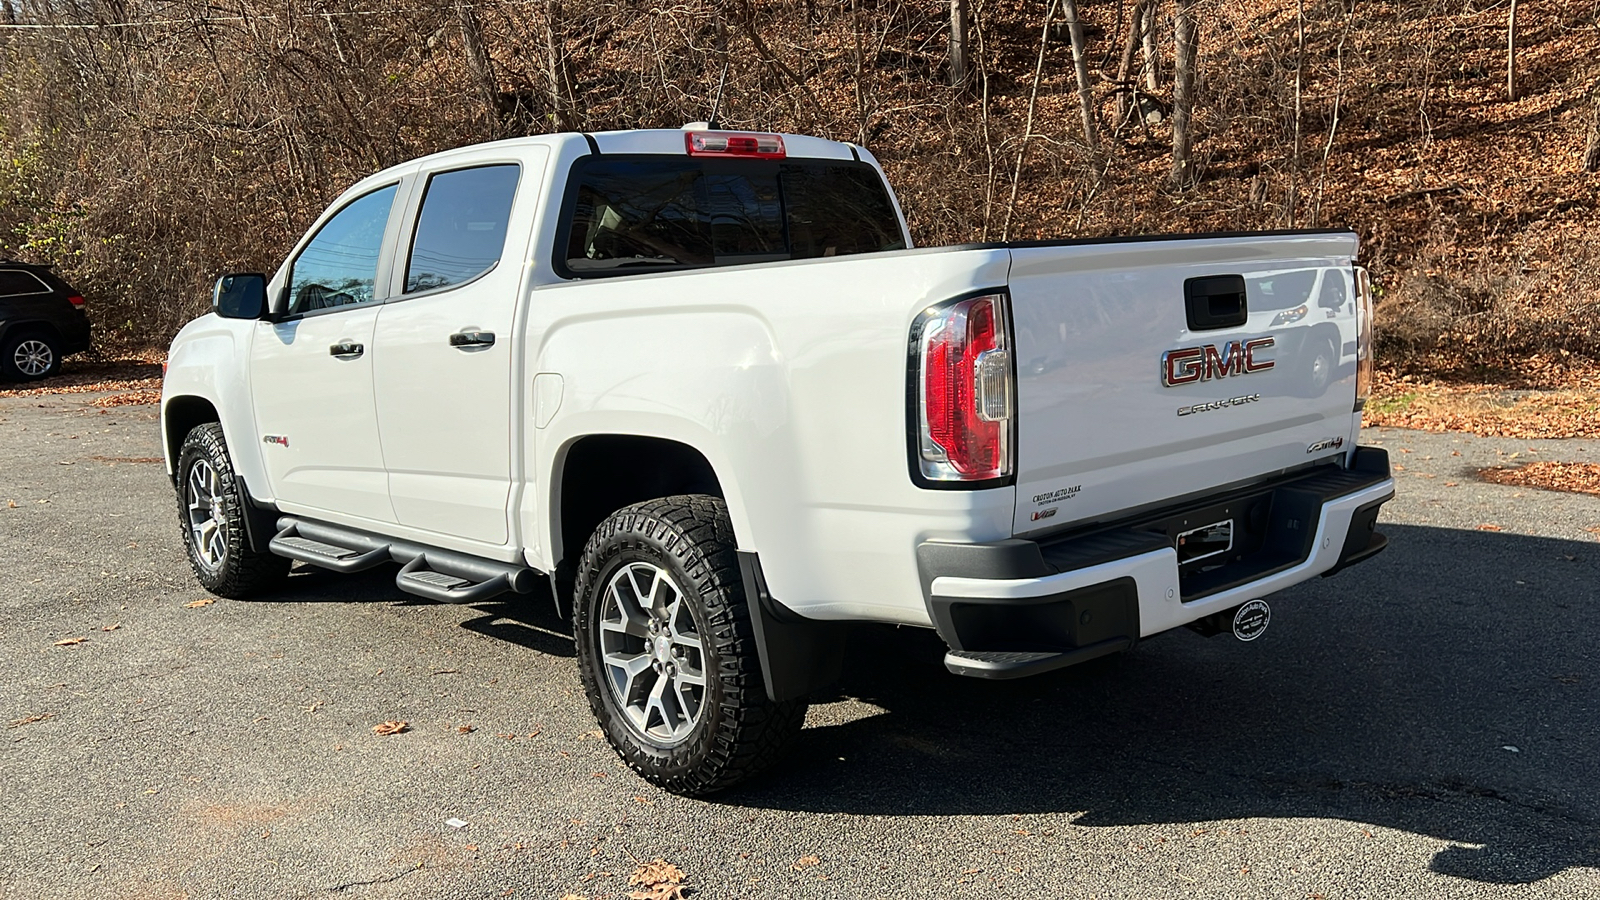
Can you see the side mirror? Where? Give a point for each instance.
(242, 295)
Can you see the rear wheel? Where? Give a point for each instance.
(30, 354)
(211, 513)
(667, 651)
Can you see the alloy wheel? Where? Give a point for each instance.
(208, 522)
(652, 652)
(33, 357)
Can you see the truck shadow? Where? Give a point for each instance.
(1447, 688)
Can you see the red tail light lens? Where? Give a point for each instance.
(734, 143)
(75, 300)
(965, 389)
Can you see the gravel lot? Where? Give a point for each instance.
(1422, 725)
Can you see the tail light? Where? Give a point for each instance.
(76, 300)
(734, 143)
(1364, 360)
(964, 391)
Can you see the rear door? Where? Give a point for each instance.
(1127, 398)
(311, 370)
(445, 363)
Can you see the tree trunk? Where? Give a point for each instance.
(1126, 92)
(1080, 64)
(958, 42)
(558, 104)
(1591, 154)
(1186, 37)
(1152, 58)
(1511, 54)
(478, 61)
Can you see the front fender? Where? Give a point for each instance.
(209, 361)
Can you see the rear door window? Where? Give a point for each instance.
(652, 213)
(461, 229)
(20, 282)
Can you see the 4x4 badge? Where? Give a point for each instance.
(278, 439)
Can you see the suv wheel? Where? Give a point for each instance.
(667, 651)
(30, 355)
(211, 512)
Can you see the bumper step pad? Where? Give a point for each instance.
(1002, 664)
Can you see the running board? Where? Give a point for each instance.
(443, 576)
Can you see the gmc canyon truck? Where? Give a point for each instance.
(696, 388)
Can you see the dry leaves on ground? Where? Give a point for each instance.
(137, 373)
(656, 880)
(70, 642)
(1582, 478)
(1565, 408)
(203, 601)
(131, 398)
(387, 728)
(804, 862)
(29, 720)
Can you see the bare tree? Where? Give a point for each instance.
(1127, 85)
(1080, 65)
(1186, 38)
(1591, 153)
(1511, 54)
(1152, 55)
(958, 42)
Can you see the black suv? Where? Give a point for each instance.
(41, 320)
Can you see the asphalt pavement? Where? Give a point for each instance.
(1423, 725)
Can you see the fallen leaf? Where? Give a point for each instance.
(1487, 527)
(1451, 483)
(203, 601)
(391, 728)
(29, 720)
(656, 880)
(465, 729)
(11, 504)
(69, 642)
(112, 627)
(804, 861)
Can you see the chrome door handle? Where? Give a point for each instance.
(346, 350)
(472, 339)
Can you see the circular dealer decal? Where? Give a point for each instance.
(1251, 620)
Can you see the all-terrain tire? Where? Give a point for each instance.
(687, 542)
(208, 491)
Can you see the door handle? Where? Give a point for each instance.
(472, 339)
(346, 350)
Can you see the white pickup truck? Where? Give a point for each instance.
(696, 388)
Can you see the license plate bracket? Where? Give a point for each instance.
(1205, 542)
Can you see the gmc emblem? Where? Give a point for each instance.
(1192, 364)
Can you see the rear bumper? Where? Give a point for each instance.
(1086, 595)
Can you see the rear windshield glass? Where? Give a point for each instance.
(650, 213)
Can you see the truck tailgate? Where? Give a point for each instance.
(1141, 381)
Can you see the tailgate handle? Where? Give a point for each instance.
(1215, 301)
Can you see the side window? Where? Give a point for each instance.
(461, 230)
(17, 283)
(340, 265)
(838, 210)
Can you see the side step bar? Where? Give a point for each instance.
(443, 576)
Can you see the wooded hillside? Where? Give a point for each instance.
(147, 145)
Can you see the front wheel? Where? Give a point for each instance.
(667, 651)
(211, 512)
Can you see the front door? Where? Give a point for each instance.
(311, 371)
(444, 368)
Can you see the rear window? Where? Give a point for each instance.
(19, 282)
(629, 214)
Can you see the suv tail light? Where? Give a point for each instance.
(734, 143)
(964, 383)
(76, 300)
(1364, 360)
